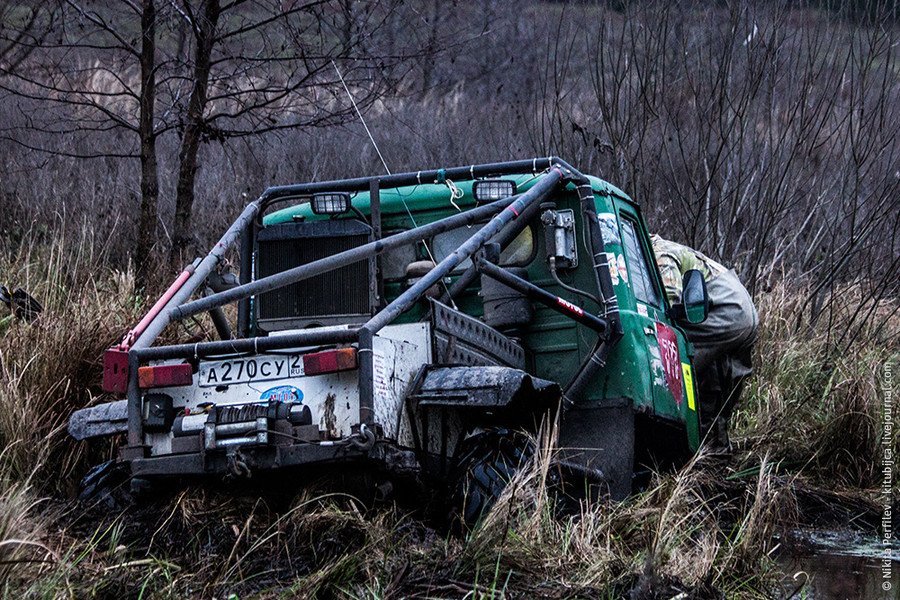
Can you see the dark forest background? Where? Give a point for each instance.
(764, 134)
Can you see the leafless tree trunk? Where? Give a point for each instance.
(203, 24)
(434, 24)
(266, 68)
(147, 132)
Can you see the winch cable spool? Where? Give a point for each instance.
(453, 189)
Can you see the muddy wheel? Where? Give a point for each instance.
(487, 462)
(106, 485)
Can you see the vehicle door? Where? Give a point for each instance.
(671, 377)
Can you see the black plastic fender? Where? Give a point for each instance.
(446, 402)
(482, 387)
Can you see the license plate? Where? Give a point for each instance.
(247, 370)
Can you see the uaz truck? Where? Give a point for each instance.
(413, 323)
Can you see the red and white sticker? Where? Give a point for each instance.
(613, 267)
(671, 360)
(623, 270)
(570, 306)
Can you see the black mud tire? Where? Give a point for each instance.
(486, 464)
(107, 485)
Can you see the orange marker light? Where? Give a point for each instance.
(165, 376)
(329, 361)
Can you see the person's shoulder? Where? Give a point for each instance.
(662, 246)
(658, 242)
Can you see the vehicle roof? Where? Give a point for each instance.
(426, 196)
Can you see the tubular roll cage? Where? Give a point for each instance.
(173, 304)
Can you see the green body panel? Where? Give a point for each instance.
(636, 363)
(556, 345)
(426, 197)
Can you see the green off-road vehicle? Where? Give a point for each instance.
(414, 324)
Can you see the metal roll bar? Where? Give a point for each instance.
(503, 212)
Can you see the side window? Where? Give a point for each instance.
(638, 265)
(395, 261)
(519, 253)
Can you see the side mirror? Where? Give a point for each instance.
(694, 306)
(694, 297)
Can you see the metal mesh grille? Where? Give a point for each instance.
(343, 291)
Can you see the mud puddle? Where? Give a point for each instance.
(835, 565)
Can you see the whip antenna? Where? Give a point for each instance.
(353, 102)
(383, 162)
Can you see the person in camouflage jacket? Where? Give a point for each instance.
(723, 343)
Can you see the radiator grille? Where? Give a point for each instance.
(343, 291)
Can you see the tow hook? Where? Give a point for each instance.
(237, 466)
(366, 439)
(384, 491)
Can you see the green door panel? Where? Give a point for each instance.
(671, 377)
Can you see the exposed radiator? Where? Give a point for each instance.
(333, 295)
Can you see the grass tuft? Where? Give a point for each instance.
(815, 405)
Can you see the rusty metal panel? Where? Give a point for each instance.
(461, 339)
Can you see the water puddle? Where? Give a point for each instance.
(833, 565)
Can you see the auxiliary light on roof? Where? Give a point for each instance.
(488, 190)
(331, 203)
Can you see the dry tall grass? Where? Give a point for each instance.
(52, 366)
(813, 409)
(808, 405)
(815, 403)
(47, 369)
